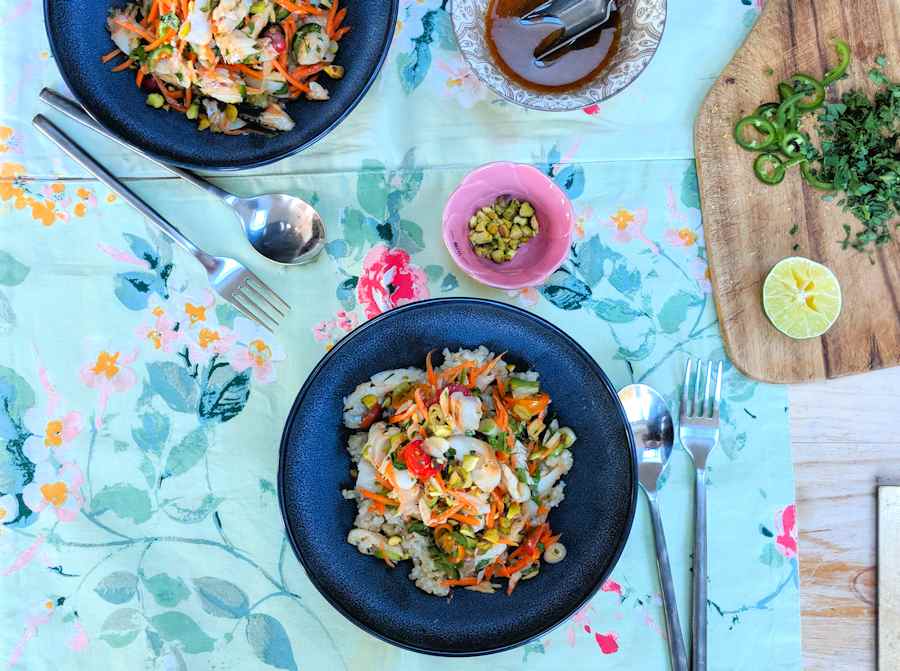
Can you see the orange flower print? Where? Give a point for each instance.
(80, 209)
(57, 187)
(629, 225)
(6, 133)
(44, 212)
(109, 373)
(681, 237)
(83, 193)
(9, 190)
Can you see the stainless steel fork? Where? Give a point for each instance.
(577, 18)
(699, 433)
(229, 278)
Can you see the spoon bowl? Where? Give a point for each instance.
(285, 229)
(651, 422)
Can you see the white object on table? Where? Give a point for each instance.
(889, 576)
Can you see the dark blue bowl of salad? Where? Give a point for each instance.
(594, 518)
(220, 85)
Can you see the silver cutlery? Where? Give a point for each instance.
(229, 278)
(576, 17)
(699, 434)
(284, 229)
(651, 425)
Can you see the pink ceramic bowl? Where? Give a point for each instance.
(538, 258)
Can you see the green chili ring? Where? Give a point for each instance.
(785, 91)
(764, 126)
(816, 98)
(813, 180)
(788, 106)
(767, 111)
(838, 71)
(792, 143)
(769, 169)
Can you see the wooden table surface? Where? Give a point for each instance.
(844, 435)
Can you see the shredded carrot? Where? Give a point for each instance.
(128, 25)
(543, 510)
(532, 467)
(452, 373)
(460, 582)
(520, 565)
(299, 7)
(384, 556)
(420, 404)
(508, 541)
(502, 457)
(303, 72)
(245, 70)
(466, 519)
(329, 23)
(184, 9)
(378, 507)
(478, 372)
(338, 19)
(288, 78)
(429, 369)
(123, 66)
(377, 497)
(160, 41)
(383, 481)
(106, 58)
(502, 418)
(152, 15)
(139, 77)
(188, 96)
(550, 540)
(340, 34)
(440, 481)
(440, 519)
(289, 28)
(403, 415)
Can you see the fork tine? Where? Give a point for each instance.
(685, 390)
(698, 402)
(264, 289)
(244, 311)
(250, 287)
(707, 392)
(258, 313)
(718, 397)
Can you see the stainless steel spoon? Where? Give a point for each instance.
(651, 424)
(577, 18)
(284, 229)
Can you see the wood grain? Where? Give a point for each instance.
(844, 439)
(746, 223)
(888, 578)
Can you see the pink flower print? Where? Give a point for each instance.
(79, 640)
(322, 331)
(609, 643)
(51, 433)
(459, 82)
(627, 226)
(699, 270)
(611, 586)
(786, 537)
(346, 321)
(60, 490)
(162, 333)
(208, 341)
(33, 621)
(254, 349)
(108, 374)
(681, 237)
(389, 280)
(195, 311)
(527, 297)
(122, 255)
(592, 110)
(582, 219)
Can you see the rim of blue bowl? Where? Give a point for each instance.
(253, 164)
(589, 360)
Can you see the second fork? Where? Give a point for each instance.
(699, 434)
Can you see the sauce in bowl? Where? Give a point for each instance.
(512, 44)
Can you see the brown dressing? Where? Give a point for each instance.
(512, 45)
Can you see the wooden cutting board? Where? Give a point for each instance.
(746, 223)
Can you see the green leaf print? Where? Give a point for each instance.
(176, 626)
(372, 189)
(690, 188)
(174, 385)
(187, 453)
(346, 292)
(411, 232)
(770, 556)
(121, 627)
(590, 258)
(12, 271)
(624, 280)
(118, 587)
(125, 501)
(167, 591)
(270, 641)
(615, 311)
(359, 230)
(153, 432)
(566, 291)
(16, 396)
(674, 311)
(221, 598)
(192, 514)
(225, 395)
(639, 353)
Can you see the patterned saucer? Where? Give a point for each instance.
(643, 22)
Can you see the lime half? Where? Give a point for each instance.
(801, 298)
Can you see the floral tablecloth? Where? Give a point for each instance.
(140, 416)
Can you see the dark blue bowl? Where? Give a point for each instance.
(595, 517)
(78, 38)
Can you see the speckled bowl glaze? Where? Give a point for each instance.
(78, 37)
(537, 259)
(595, 518)
(643, 22)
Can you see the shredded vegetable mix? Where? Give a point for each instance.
(457, 469)
(229, 65)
